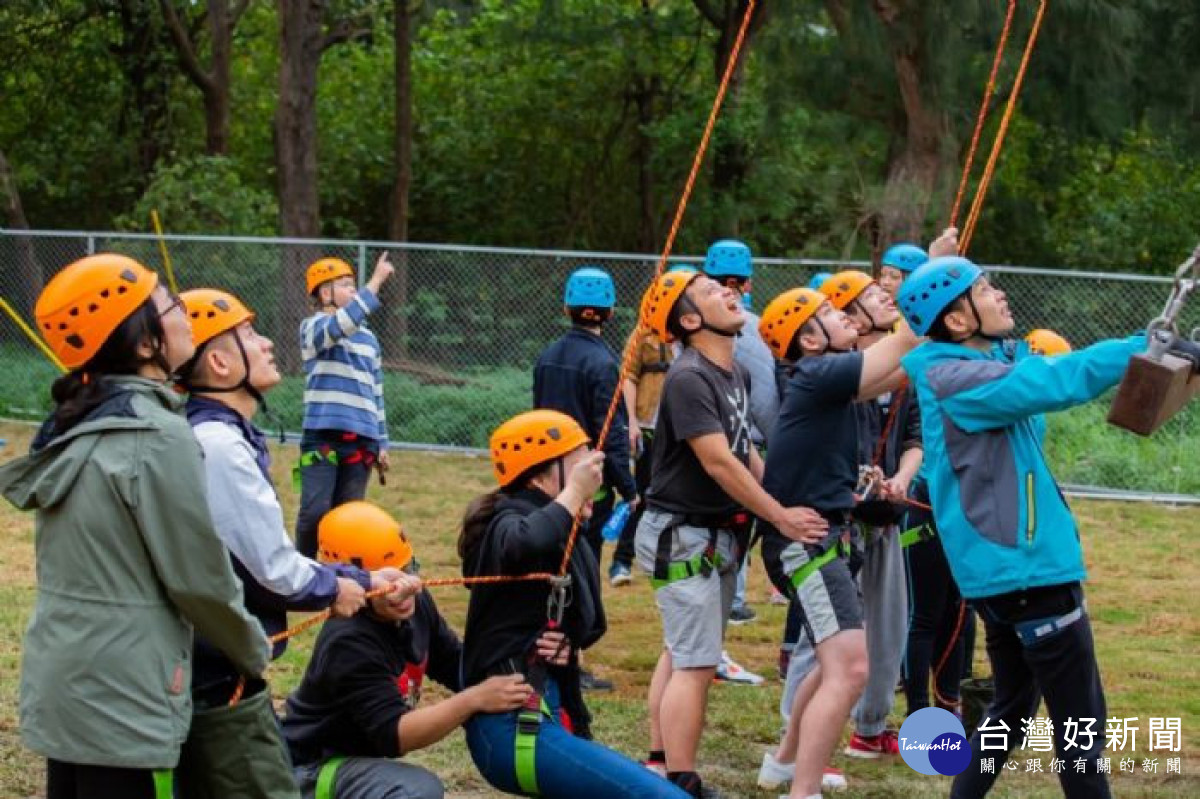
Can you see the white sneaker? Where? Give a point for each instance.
(772, 774)
(729, 671)
(658, 768)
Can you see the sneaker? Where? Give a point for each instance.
(729, 671)
(871, 747)
(777, 598)
(773, 775)
(742, 615)
(657, 766)
(619, 574)
(832, 779)
(588, 681)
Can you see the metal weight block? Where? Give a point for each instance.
(1152, 391)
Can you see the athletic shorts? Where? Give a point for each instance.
(829, 598)
(694, 610)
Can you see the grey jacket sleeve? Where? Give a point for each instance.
(191, 560)
(755, 357)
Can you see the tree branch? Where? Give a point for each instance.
(346, 30)
(706, 9)
(236, 14)
(185, 49)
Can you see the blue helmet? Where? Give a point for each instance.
(818, 280)
(590, 287)
(905, 257)
(932, 287)
(728, 258)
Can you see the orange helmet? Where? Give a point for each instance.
(784, 315)
(364, 534)
(1047, 342)
(844, 287)
(84, 303)
(530, 439)
(324, 270)
(661, 297)
(213, 312)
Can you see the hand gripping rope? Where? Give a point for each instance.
(560, 584)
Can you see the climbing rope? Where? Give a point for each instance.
(557, 603)
(680, 208)
(989, 170)
(983, 112)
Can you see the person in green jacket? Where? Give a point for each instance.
(128, 562)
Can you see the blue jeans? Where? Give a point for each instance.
(325, 484)
(567, 767)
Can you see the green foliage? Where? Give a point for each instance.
(203, 194)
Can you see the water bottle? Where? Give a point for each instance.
(616, 522)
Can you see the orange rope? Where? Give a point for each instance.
(697, 161)
(983, 112)
(953, 642)
(618, 395)
(981, 192)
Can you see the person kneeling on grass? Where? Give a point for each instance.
(356, 709)
(547, 475)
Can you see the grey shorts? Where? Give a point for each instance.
(373, 778)
(694, 610)
(829, 597)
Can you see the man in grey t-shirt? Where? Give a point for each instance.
(705, 485)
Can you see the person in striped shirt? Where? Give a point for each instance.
(345, 425)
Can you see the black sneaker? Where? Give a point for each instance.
(590, 682)
(742, 615)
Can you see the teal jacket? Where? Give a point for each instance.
(1001, 517)
(128, 563)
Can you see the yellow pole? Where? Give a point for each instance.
(34, 337)
(162, 246)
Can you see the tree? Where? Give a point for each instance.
(214, 82)
(28, 273)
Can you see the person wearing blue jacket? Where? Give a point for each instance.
(1009, 537)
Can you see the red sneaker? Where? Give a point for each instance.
(871, 747)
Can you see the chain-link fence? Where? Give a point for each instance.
(462, 326)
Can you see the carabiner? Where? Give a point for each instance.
(558, 600)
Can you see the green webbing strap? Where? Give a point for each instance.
(326, 775)
(683, 569)
(164, 783)
(809, 569)
(308, 459)
(916, 535)
(601, 494)
(529, 722)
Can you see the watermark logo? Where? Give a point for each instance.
(932, 741)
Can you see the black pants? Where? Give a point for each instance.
(326, 482)
(934, 629)
(623, 554)
(77, 781)
(1061, 667)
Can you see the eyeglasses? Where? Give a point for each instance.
(176, 302)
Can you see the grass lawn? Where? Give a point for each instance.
(1142, 560)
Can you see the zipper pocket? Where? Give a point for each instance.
(1030, 510)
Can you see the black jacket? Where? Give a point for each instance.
(578, 375)
(363, 676)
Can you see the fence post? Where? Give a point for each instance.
(91, 244)
(362, 264)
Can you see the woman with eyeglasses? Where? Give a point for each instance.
(127, 559)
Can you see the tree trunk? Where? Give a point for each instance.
(23, 290)
(731, 153)
(395, 321)
(913, 171)
(217, 93)
(140, 55)
(300, 44)
(645, 89)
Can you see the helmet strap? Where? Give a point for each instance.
(978, 331)
(828, 340)
(704, 325)
(875, 326)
